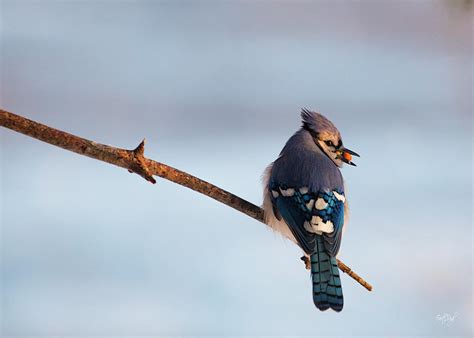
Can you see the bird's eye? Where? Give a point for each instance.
(329, 143)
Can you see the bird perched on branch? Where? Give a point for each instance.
(304, 200)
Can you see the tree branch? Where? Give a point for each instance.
(135, 161)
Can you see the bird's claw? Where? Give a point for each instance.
(307, 262)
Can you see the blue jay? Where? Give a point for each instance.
(304, 200)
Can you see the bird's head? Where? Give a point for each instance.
(327, 137)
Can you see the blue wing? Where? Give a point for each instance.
(334, 213)
(307, 212)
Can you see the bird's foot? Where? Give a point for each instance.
(307, 262)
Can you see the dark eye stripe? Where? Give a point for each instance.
(329, 143)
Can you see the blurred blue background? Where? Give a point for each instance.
(216, 87)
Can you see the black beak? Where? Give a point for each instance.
(346, 156)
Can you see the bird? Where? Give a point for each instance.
(304, 200)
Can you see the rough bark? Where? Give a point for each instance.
(135, 161)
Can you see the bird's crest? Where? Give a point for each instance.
(317, 123)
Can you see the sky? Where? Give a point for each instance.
(216, 88)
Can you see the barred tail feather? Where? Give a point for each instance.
(327, 289)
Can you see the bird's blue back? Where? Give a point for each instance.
(302, 164)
